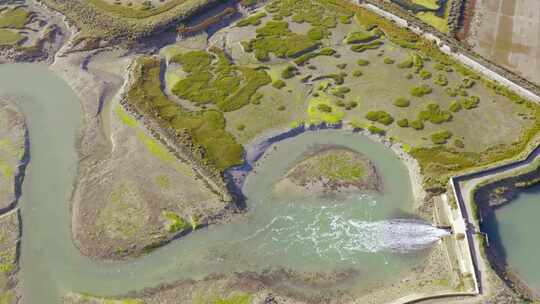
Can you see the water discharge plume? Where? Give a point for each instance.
(331, 233)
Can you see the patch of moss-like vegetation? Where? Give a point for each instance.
(405, 64)
(213, 78)
(316, 13)
(302, 60)
(276, 38)
(441, 80)
(434, 114)
(253, 20)
(241, 298)
(288, 72)
(417, 124)
(424, 74)
(362, 62)
(15, 18)
(375, 130)
(470, 102)
(361, 37)
(381, 117)
(402, 102)
(373, 45)
(322, 109)
(9, 37)
(203, 129)
(357, 73)
(339, 91)
(279, 84)
(441, 137)
(175, 223)
(389, 60)
(421, 90)
(317, 33)
(404, 122)
(455, 106)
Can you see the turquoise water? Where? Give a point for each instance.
(515, 229)
(319, 235)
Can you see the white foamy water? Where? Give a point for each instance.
(330, 234)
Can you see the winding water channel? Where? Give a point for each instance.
(359, 232)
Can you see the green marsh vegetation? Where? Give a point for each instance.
(213, 78)
(381, 117)
(402, 102)
(421, 90)
(98, 20)
(336, 166)
(434, 114)
(252, 20)
(175, 223)
(438, 94)
(304, 59)
(361, 37)
(204, 129)
(14, 18)
(441, 137)
(9, 37)
(276, 38)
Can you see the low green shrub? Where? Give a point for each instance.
(459, 143)
(341, 66)
(417, 124)
(452, 92)
(175, 223)
(468, 83)
(360, 37)
(424, 74)
(380, 117)
(441, 137)
(388, 60)
(434, 114)
(357, 73)
(376, 130)
(339, 91)
(254, 20)
(317, 33)
(441, 80)
(288, 72)
(279, 84)
(362, 62)
(406, 64)
(421, 90)
(404, 123)
(470, 102)
(308, 56)
(455, 106)
(373, 45)
(402, 102)
(15, 18)
(276, 37)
